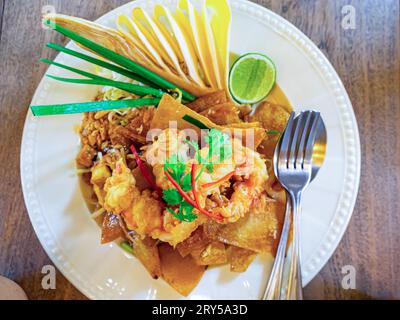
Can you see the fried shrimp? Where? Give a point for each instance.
(120, 189)
(236, 181)
(245, 173)
(141, 211)
(171, 142)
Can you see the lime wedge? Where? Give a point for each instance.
(252, 78)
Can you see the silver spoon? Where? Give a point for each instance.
(273, 290)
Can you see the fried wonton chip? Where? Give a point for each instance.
(240, 258)
(244, 125)
(267, 146)
(278, 97)
(197, 241)
(258, 231)
(271, 116)
(183, 274)
(205, 102)
(223, 114)
(170, 109)
(147, 252)
(213, 254)
(110, 228)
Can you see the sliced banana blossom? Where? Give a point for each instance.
(188, 47)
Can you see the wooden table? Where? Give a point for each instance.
(366, 58)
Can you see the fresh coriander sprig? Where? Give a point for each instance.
(180, 204)
(220, 148)
(175, 168)
(219, 145)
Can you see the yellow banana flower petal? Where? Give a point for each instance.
(191, 21)
(128, 27)
(208, 42)
(220, 21)
(150, 29)
(183, 41)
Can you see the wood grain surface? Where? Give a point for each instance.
(367, 60)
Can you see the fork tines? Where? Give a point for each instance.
(298, 140)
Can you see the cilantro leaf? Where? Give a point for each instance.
(195, 146)
(175, 166)
(179, 215)
(187, 208)
(185, 212)
(172, 197)
(219, 144)
(209, 167)
(186, 184)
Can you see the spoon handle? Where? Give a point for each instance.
(273, 290)
(294, 289)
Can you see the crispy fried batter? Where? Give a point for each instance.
(111, 229)
(240, 258)
(208, 101)
(85, 156)
(213, 254)
(258, 231)
(197, 241)
(223, 114)
(271, 116)
(183, 274)
(94, 132)
(146, 251)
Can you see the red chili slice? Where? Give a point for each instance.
(147, 175)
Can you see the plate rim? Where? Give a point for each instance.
(348, 123)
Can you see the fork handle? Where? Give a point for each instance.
(294, 288)
(273, 290)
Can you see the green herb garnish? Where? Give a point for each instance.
(219, 144)
(129, 87)
(185, 212)
(272, 132)
(175, 166)
(101, 81)
(186, 183)
(118, 59)
(103, 64)
(179, 202)
(126, 247)
(195, 122)
(173, 197)
(72, 108)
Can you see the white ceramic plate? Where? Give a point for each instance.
(71, 239)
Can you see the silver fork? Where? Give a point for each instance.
(292, 165)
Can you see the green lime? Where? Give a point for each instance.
(252, 78)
